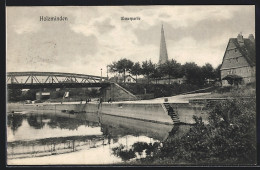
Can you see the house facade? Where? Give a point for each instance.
(130, 79)
(172, 80)
(120, 79)
(239, 61)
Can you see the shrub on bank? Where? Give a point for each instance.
(229, 138)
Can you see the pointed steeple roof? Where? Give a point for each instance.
(163, 50)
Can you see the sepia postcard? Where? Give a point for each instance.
(126, 85)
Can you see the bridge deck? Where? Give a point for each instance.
(56, 85)
(53, 80)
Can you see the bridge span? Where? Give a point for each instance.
(40, 80)
(28, 80)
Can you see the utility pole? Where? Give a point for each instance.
(101, 74)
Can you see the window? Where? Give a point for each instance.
(235, 50)
(237, 59)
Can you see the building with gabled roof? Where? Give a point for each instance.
(120, 79)
(239, 61)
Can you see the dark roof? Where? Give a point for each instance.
(121, 77)
(247, 50)
(232, 76)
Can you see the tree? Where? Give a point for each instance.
(136, 70)
(171, 69)
(229, 137)
(113, 67)
(217, 72)
(193, 73)
(14, 94)
(207, 71)
(147, 68)
(156, 73)
(122, 66)
(94, 93)
(30, 94)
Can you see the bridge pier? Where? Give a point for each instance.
(116, 93)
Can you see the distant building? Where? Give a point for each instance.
(120, 79)
(130, 79)
(43, 95)
(239, 61)
(172, 80)
(163, 50)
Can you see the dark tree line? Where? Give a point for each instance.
(171, 69)
(14, 95)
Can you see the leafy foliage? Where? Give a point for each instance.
(217, 72)
(171, 68)
(124, 154)
(207, 71)
(148, 68)
(229, 138)
(14, 94)
(136, 69)
(193, 73)
(122, 66)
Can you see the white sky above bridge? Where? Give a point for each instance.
(94, 37)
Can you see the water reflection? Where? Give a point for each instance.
(140, 150)
(45, 134)
(66, 123)
(137, 150)
(14, 121)
(35, 121)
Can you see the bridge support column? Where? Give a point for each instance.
(116, 93)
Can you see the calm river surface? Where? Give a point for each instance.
(62, 138)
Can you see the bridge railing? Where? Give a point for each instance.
(50, 77)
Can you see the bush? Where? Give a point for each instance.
(229, 138)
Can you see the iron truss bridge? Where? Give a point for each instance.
(28, 80)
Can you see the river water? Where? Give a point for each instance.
(86, 138)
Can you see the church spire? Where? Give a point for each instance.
(163, 50)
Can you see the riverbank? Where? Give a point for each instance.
(148, 110)
(228, 140)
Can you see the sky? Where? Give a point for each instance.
(95, 36)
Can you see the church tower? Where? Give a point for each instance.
(163, 50)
